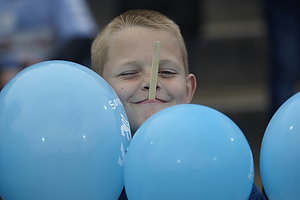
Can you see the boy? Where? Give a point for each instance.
(122, 55)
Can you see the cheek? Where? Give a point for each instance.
(123, 91)
(178, 92)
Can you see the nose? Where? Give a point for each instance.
(146, 83)
(147, 87)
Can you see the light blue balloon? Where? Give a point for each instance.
(280, 152)
(63, 135)
(189, 152)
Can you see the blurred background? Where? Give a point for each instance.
(229, 43)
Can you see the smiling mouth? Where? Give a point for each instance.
(147, 101)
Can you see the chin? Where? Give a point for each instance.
(152, 112)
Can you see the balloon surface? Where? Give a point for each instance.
(188, 152)
(280, 152)
(63, 135)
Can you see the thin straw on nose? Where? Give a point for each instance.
(154, 72)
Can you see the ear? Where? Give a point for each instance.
(191, 85)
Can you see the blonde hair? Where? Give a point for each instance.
(133, 18)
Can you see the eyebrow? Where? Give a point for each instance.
(161, 63)
(166, 61)
(128, 63)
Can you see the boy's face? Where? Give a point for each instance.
(128, 71)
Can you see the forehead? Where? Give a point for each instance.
(140, 41)
(148, 34)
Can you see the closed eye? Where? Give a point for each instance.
(167, 73)
(129, 74)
